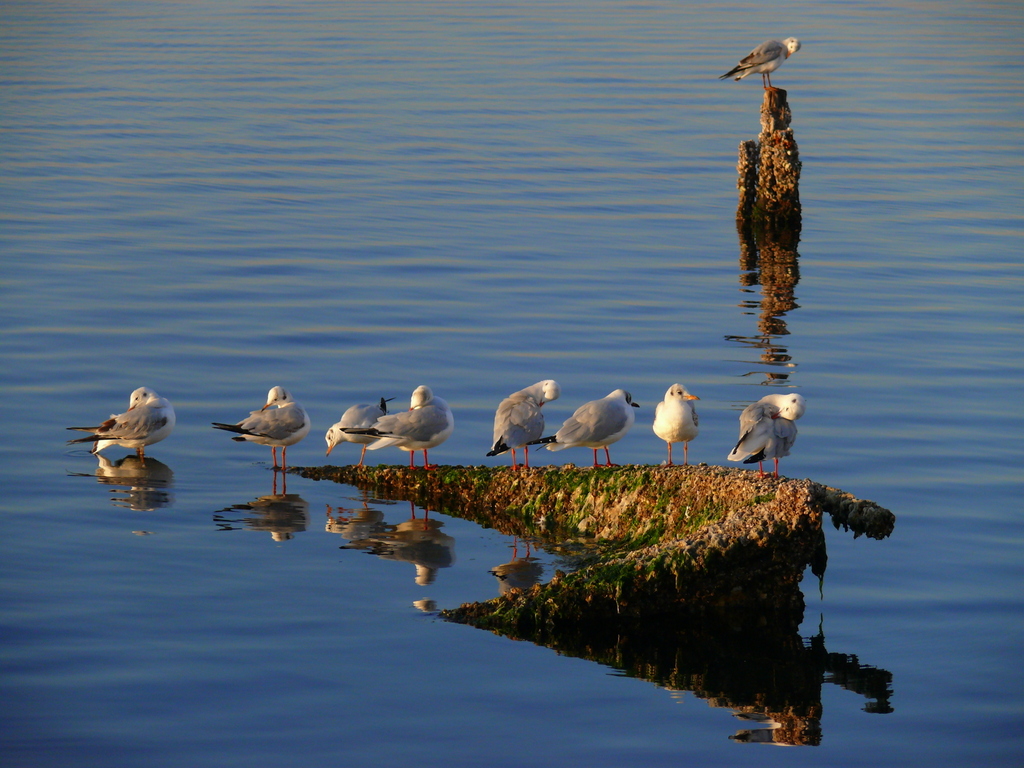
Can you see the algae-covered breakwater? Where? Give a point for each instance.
(671, 542)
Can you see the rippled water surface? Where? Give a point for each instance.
(351, 199)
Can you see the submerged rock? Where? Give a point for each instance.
(669, 543)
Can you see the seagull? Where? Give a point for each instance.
(519, 420)
(596, 424)
(767, 430)
(149, 419)
(283, 425)
(675, 420)
(764, 60)
(362, 415)
(427, 424)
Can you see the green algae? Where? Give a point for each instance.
(669, 543)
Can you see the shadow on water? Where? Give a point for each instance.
(281, 514)
(142, 485)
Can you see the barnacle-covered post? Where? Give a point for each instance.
(769, 170)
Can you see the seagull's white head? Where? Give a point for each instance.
(277, 396)
(333, 437)
(421, 396)
(792, 46)
(549, 391)
(678, 392)
(621, 394)
(791, 406)
(140, 396)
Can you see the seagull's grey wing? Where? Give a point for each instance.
(418, 425)
(525, 423)
(136, 424)
(755, 430)
(783, 437)
(276, 423)
(424, 423)
(767, 51)
(593, 421)
(361, 416)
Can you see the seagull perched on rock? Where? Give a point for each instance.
(764, 60)
(596, 424)
(281, 422)
(149, 419)
(519, 420)
(363, 415)
(427, 424)
(675, 420)
(767, 430)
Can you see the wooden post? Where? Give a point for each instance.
(769, 170)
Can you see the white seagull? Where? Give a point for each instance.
(764, 60)
(427, 424)
(149, 419)
(283, 425)
(361, 416)
(767, 430)
(675, 420)
(519, 420)
(596, 424)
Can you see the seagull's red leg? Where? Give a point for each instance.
(760, 470)
(426, 463)
(776, 467)
(670, 454)
(608, 458)
(686, 454)
(514, 465)
(595, 459)
(412, 464)
(362, 455)
(526, 456)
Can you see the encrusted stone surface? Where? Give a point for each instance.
(769, 170)
(670, 542)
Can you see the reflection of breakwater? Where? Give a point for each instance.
(771, 262)
(770, 677)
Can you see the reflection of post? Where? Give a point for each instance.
(771, 261)
(768, 223)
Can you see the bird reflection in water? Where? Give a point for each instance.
(140, 485)
(281, 514)
(356, 523)
(419, 541)
(769, 260)
(520, 572)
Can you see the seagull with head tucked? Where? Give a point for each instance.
(149, 419)
(767, 430)
(281, 422)
(427, 424)
(519, 420)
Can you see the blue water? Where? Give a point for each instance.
(352, 199)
